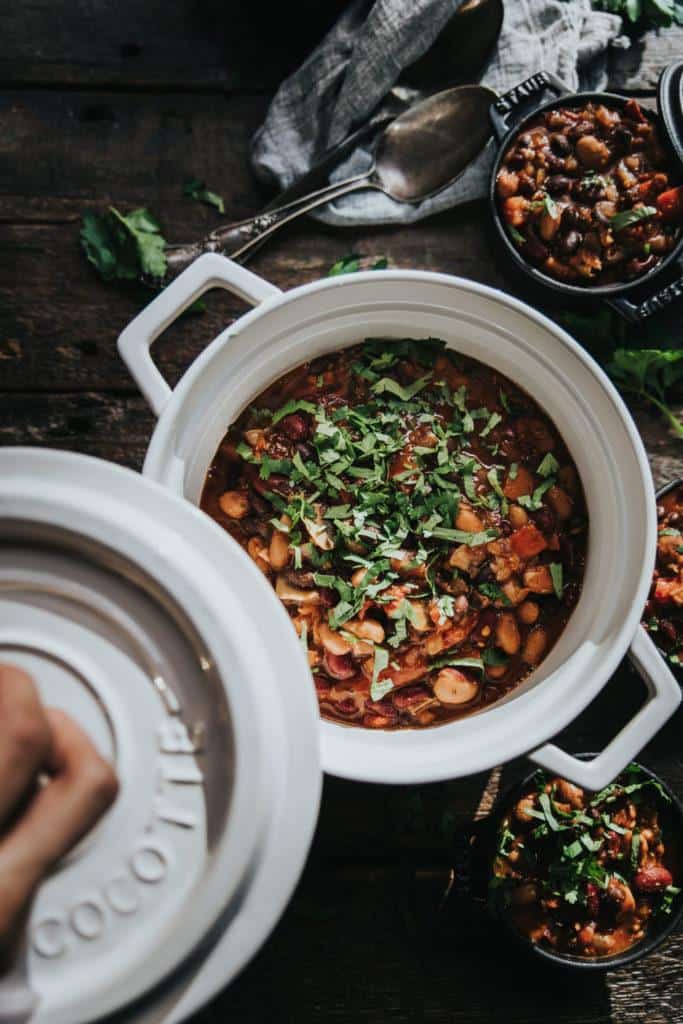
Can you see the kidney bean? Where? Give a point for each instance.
(592, 900)
(654, 878)
(294, 426)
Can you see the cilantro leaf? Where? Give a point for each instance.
(387, 385)
(124, 246)
(627, 218)
(556, 574)
(197, 190)
(548, 465)
(652, 374)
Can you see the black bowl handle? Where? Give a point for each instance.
(636, 312)
(499, 112)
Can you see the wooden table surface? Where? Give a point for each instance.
(120, 102)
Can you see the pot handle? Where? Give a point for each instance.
(636, 312)
(209, 271)
(500, 110)
(664, 698)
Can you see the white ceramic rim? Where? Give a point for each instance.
(141, 519)
(359, 754)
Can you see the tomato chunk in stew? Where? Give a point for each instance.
(586, 194)
(584, 873)
(421, 520)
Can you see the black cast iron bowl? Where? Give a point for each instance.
(475, 851)
(615, 294)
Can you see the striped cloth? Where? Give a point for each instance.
(350, 73)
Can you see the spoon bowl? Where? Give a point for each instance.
(429, 146)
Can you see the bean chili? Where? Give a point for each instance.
(663, 615)
(420, 518)
(586, 194)
(581, 873)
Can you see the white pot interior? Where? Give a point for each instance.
(537, 356)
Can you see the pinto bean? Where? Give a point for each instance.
(534, 646)
(367, 629)
(517, 515)
(257, 550)
(468, 520)
(592, 152)
(569, 793)
(453, 688)
(331, 641)
(507, 633)
(560, 502)
(522, 808)
(279, 551)
(234, 504)
(528, 612)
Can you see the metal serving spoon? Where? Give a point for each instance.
(417, 155)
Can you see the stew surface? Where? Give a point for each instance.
(421, 520)
(584, 873)
(663, 616)
(586, 194)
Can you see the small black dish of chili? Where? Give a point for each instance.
(663, 615)
(588, 880)
(587, 191)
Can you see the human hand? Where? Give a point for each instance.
(40, 820)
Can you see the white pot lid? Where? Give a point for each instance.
(139, 616)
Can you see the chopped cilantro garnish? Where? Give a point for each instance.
(548, 465)
(556, 575)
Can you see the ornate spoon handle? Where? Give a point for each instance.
(237, 240)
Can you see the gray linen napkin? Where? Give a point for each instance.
(352, 70)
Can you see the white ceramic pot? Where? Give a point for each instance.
(285, 329)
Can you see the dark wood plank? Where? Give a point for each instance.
(202, 44)
(362, 956)
(638, 68)
(208, 45)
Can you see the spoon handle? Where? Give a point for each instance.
(239, 239)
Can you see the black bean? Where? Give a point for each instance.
(569, 242)
(623, 138)
(560, 144)
(587, 191)
(556, 184)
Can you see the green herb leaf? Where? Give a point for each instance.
(534, 502)
(627, 218)
(387, 385)
(293, 405)
(517, 235)
(548, 465)
(553, 823)
(556, 574)
(654, 375)
(124, 246)
(197, 190)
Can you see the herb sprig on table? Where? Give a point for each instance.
(645, 13)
